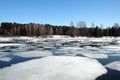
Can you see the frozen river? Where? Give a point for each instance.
(105, 50)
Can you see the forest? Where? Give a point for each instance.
(33, 29)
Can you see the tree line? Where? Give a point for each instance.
(32, 29)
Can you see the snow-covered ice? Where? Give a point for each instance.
(114, 65)
(10, 44)
(95, 55)
(34, 54)
(54, 68)
(103, 39)
(60, 36)
(71, 51)
(6, 39)
(112, 48)
(24, 38)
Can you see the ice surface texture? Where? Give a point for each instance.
(114, 65)
(54, 68)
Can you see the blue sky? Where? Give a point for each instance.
(60, 12)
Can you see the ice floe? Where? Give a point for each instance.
(60, 36)
(24, 38)
(95, 55)
(10, 44)
(6, 39)
(112, 48)
(71, 51)
(34, 54)
(71, 48)
(114, 65)
(54, 68)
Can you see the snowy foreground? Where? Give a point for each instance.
(54, 68)
(57, 58)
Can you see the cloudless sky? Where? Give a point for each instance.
(60, 12)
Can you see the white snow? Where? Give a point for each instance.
(91, 48)
(114, 65)
(24, 38)
(34, 54)
(54, 68)
(103, 39)
(112, 48)
(95, 55)
(60, 36)
(5, 39)
(9, 44)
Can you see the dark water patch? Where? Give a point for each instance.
(31, 49)
(7, 42)
(15, 59)
(7, 51)
(94, 45)
(14, 50)
(114, 42)
(8, 48)
(110, 75)
(91, 45)
(80, 55)
(13, 47)
(109, 59)
(47, 48)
